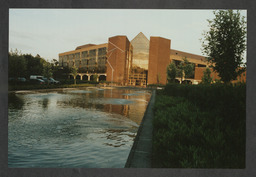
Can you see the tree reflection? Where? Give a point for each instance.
(15, 102)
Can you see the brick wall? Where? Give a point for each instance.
(159, 54)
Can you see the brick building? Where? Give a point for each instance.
(137, 62)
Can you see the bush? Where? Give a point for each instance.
(199, 127)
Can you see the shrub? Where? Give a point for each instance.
(199, 126)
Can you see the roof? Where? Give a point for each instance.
(85, 46)
(188, 55)
(140, 35)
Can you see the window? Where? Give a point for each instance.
(92, 53)
(200, 65)
(102, 51)
(85, 54)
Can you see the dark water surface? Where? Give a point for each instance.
(92, 128)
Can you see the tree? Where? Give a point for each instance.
(158, 78)
(35, 65)
(188, 68)
(47, 71)
(225, 43)
(95, 77)
(207, 79)
(17, 64)
(74, 73)
(55, 62)
(171, 72)
(185, 69)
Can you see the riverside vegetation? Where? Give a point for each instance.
(200, 126)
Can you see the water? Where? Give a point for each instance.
(89, 128)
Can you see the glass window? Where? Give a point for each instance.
(84, 54)
(140, 52)
(77, 56)
(102, 51)
(92, 53)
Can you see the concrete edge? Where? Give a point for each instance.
(136, 140)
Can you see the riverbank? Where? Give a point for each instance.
(38, 88)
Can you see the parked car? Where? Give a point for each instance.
(21, 79)
(45, 80)
(36, 77)
(51, 80)
(17, 80)
(37, 81)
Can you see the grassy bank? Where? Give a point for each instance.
(200, 126)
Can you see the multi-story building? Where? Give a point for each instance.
(140, 62)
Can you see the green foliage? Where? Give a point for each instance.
(25, 65)
(200, 126)
(171, 72)
(95, 77)
(207, 79)
(74, 73)
(17, 65)
(47, 70)
(185, 69)
(35, 65)
(158, 78)
(188, 68)
(225, 43)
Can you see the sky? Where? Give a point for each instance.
(48, 32)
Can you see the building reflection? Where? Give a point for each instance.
(131, 106)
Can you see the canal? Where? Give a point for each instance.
(69, 128)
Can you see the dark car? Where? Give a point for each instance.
(21, 79)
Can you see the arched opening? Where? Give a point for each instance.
(78, 77)
(186, 82)
(85, 78)
(94, 78)
(91, 77)
(102, 78)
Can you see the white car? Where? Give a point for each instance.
(53, 81)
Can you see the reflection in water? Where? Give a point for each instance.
(15, 102)
(74, 128)
(44, 103)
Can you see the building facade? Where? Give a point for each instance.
(138, 62)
